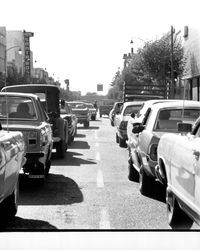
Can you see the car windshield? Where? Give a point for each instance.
(168, 119)
(78, 105)
(16, 108)
(90, 106)
(132, 109)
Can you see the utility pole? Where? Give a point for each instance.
(172, 62)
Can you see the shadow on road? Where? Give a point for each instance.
(20, 224)
(57, 190)
(72, 160)
(80, 144)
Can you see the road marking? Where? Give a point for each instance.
(100, 182)
(97, 156)
(104, 219)
(95, 134)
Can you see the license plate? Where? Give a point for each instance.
(35, 176)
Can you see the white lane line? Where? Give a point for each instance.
(104, 219)
(100, 182)
(95, 134)
(97, 156)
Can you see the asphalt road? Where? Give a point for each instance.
(89, 190)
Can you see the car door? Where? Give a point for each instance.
(182, 167)
(196, 157)
(12, 166)
(2, 172)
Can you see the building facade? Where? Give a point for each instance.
(191, 76)
(2, 55)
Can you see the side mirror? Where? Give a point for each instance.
(184, 127)
(132, 115)
(137, 129)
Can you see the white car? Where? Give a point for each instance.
(179, 167)
(12, 159)
(121, 120)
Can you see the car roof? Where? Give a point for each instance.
(178, 104)
(25, 87)
(133, 103)
(18, 94)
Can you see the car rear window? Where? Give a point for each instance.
(16, 108)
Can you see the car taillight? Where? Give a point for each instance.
(153, 152)
(123, 125)
(43, 137)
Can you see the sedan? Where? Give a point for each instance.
(179, 168)
(121, 120)
(159, 119)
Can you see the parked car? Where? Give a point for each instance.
(115, 110)
(67, 114)
(23, 112)
(121, 120)
(50, 98)
(12, 148)
(105, 107)
(81, 111)
(160, 118)
(179, 168)
(92, 111)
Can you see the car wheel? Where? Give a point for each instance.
(60, 149)
(10, 205)
(122, 143)
(47, 167)
(112, 123)
(145, 183)
(100, 115)
(133, 174)
(117, 138)
(175, 215)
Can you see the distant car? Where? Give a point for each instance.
(179, 168)
(105, 107)
(12, 148)
(121, 120)
(92, 110)
(159, 119)
(114, 111)
(49, 96)
(67, 114)
(81, 111)
(24, 112)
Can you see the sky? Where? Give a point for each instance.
(84, 40)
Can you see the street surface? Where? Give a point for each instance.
(89, 189)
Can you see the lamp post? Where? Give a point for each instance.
(6, 51)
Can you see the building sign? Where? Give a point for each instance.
(27, 54)
(99, 87)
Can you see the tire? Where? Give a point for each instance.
(112, 123)
(133, 174)
(100, 115)
(60, 149)
(10, 205)
(47, 167)
(175, 215)
(122, 143)
(86, 124)
(117, 138)
(145, 183)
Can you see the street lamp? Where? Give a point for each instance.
(6, 51)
